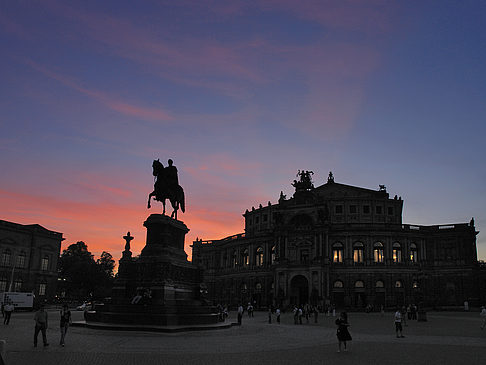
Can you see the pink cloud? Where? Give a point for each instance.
(143, 112)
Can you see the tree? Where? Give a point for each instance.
(81, 277)
(106, 263)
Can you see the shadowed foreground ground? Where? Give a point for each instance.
(447, 338)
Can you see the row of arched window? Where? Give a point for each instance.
(20, 263)
(244, 257)
(378, 252)
(359, 284)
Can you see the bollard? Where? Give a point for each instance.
(3, 346)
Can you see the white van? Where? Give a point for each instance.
(19, 300)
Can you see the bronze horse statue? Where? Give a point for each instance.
(163, 189)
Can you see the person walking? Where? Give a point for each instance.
(269, 316)
(65, 322)
(483, 316)
(398, 323)
(240, 314)
(8, 309)
(40, 318)
(342, 331)
(277, 312)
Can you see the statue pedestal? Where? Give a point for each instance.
(166, 284)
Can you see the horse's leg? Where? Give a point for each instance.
(150, 195)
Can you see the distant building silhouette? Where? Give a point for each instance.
(343, 245)
(28, 259)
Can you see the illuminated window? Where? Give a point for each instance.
(274, 254)
(398, 284)
(45, 263)
(413, 252)
(244, 287)
(21, 260)
(379, 284)
(397, 252)
(337, 252)
(42, 289)
(378, 252)
(359, 284)
(415, 285)
(18, 285)
(245, 258)
(358, 250)
(259, 257)
(6, 258)
(338, 284)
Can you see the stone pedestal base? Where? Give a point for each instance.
(166, 285)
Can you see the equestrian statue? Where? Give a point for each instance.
(167, 186)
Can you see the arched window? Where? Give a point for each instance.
(398, 284)
(378, 252)
(397, 252)
(359, 284)
(3, 284)
(45, 263)
(244, 287)
(415, 285)
(379, 284)
(245, 258)
(6, 258)
(258, 286)
(274, 254)
(337, 252)
(413, 253)
(358, 250)
(259, 257)
(21, 260)
(338, 284)
(18, 285)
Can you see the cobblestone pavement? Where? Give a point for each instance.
(447, 338)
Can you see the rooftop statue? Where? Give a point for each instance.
(167, 187)
(305, 181)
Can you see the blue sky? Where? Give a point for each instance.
(241, 94)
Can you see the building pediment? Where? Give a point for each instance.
(336, 190)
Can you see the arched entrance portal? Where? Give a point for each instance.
(299, 290)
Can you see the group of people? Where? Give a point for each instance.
(41, 324)
(305, 311)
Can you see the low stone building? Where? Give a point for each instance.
(28, 259)
(343, 245)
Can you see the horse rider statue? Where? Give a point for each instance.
(167, 186)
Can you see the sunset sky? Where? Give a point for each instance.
(241, 95)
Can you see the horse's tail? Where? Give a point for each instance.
(182, 201)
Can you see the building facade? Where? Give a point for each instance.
(343, 245)
(28, 259)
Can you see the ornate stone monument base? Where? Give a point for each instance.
(160, 288)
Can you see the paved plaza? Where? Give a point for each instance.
(446, 338)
